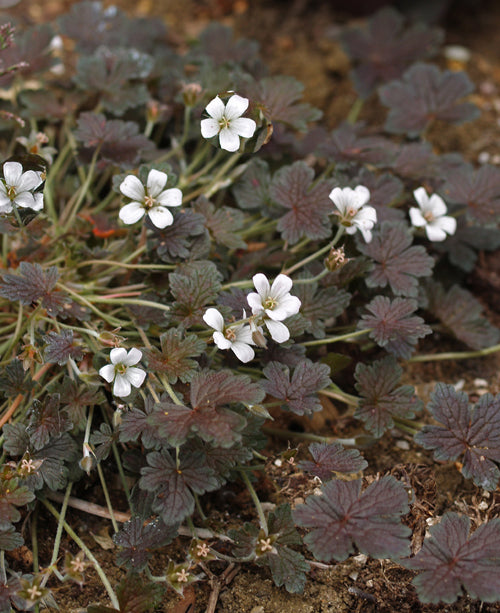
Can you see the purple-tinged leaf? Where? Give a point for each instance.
(414, 161)
(193, 286)
(277, 98)
(218, 43)
(452, 560)
(30, 285)
(211, 388)
(252, 189)
(385, 48)
(52, 471)
(51, 104)
(175, 241)
(212, 424)
(137, 540)
(332, 458)
(47, 421)
(462, 248)
(309, 206)
(12, 495)
(134, 594)
(381, 397)
(175, 358)
(288, 568)
(222, 223)
(119, 142)
(319, 306)
(394, 326)
(479, 190)
(174, 483)
(461, 313)
(385, 190)
(397, 263)
(9, 540)
(115, 74)
(221, 459)
(135, 426)
(61, 347)
(425, 94)
(469, 431)
(76, 399)
(342, 517)
(347, 144)
(298, 392)
(14, 380)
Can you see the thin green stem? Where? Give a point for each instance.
(107, 498)
(317, 254)
(57, 540)
(353, 115)
(335, 339)
(88, 553)
(256, 501)
(307, 436)
(455, 355)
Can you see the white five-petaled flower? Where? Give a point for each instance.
(151, 199)
(237, 338)
(432, 216)
(227, 122)
(16, 188)
(273, 303)
(352, 210)
(123, 371)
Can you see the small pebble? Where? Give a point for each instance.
(480, 383)
(457, 53)
(404, 445)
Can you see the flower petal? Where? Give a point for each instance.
(156, 182)
(366, 232)
(135, 376)
(38, 201)
(434, 233)
(12, 171)
(421, 197)
(209, 127)
(133, 357)
(437, 205)
(170, 197)
(417, 219)
(229, 140)
(285, 308)
(161, 217)
(242, 351)
(29, 180)
(255, 303)
(132, 188)
(243, 334)
(261, 285)
(215, 108)
(214, 319)
(131, 213)
(281, 286)
(447, 223)
(25, 200)
(362, 194)
(278, 331)
(366, 214)
(221, 341)
(107, 372)
(235, 107)
(340, 199)
(118, 355)
(244, 127)
(121, 387)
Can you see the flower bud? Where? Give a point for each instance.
(336, 259)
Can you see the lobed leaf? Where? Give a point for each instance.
(222, 223)
(47, 421)
(298, 392)
(252, 189)
(33, 283)
(175, 241)
(381, 397)
(397, 263)
(452, 560)
(134, 595)
(332, 458)
(9, 540)
(60, 347)
(175, 358)
(119, 142)
(479, 190)
(137, 540)
(309, 206)
(461, 313)
(393, 325)
(14, 380)
(343, 517)
(425, 94)
(385, 48)
(471, 433)
(319, 306)
(216, 388)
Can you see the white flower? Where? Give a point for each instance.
(35, 144)
(431, 215)
(17, 188)
(123, 371)
(274, 304)
(353, 213)
(226, 121)
(237, 338)
(152, 199)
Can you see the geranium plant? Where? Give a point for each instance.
(180, 266)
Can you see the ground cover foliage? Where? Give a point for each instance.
(186, 254)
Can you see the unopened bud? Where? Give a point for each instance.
(336, 259)
(191, 93)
